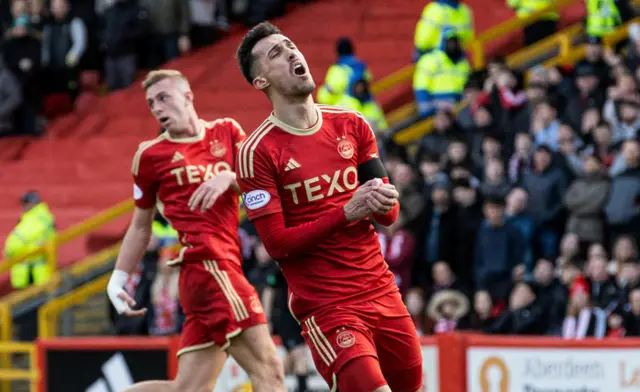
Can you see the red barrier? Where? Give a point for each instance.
(462, 362)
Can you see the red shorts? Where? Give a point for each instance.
(218, 302)
(381, 328)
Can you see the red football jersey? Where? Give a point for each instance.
(302, 174)
(168, 171)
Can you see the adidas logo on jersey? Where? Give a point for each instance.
(177, 157)
(291, 165)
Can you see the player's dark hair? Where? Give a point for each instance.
(243, 54)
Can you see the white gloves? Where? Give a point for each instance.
(115, 288)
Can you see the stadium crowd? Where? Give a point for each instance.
(51, 51)
(520, 213)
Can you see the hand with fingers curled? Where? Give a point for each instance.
(121, 300)
(372, 197)
(209, 191)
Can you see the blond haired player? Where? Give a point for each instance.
(187, 173)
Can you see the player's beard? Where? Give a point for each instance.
(302, 89)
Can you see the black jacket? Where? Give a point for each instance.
(446, 245)
(526, 321)
(122, 27)
(553, 300)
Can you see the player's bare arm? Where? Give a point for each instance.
(209, 191)
(133, 247)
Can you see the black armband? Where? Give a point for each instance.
(371, 169)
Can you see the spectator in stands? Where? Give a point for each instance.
(342, 76)
(590, 120)
(437, 234)
(411, 200)
(168, 34)
(449, 310)
(335, 91)
(622, 210)
(437, 16)
(490, 149)
(505, 97)
(521, 161)
(603, 17)
(545, 123)
(583, 319)
(204, 25)
(443, 279)
(472, 90)
(541, 28)
(499, 251)
(568, 146)
(525, 315)
(624, 116)
(457, 153)
(38, 13)
(441, 75)
(602, 146)
(585, 199)
(624, 251)
(397, 245)
(485, 312)
(369, 108)
(604, 290)
(594, 56)
(468, 202)
(164, 296)
(495, 182)
(569, 250)
(35, 229)
(516, 213)
(588, 94)
(122, 28)
(64, 42)
(10, 99)
(627, 278)
(632, 316)
(632, 58)
(546, 186)
(20, 17)
(429, 166)
(552, 296)
(445, 130)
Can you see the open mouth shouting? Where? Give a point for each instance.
(299, 69)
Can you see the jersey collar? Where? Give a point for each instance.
(298, 131)
(199, 136)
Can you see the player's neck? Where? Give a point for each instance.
(300, 114)
(191, 130)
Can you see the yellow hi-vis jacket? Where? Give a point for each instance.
(438, 16)
(36, 228)
(603, 17)
(525, 8)
(437, 78)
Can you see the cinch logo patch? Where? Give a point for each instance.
(256, 199)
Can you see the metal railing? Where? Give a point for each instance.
(569, 52)
(49, 314)
(9, 374)
(476, 47)
(10, 302)
(50, 249)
